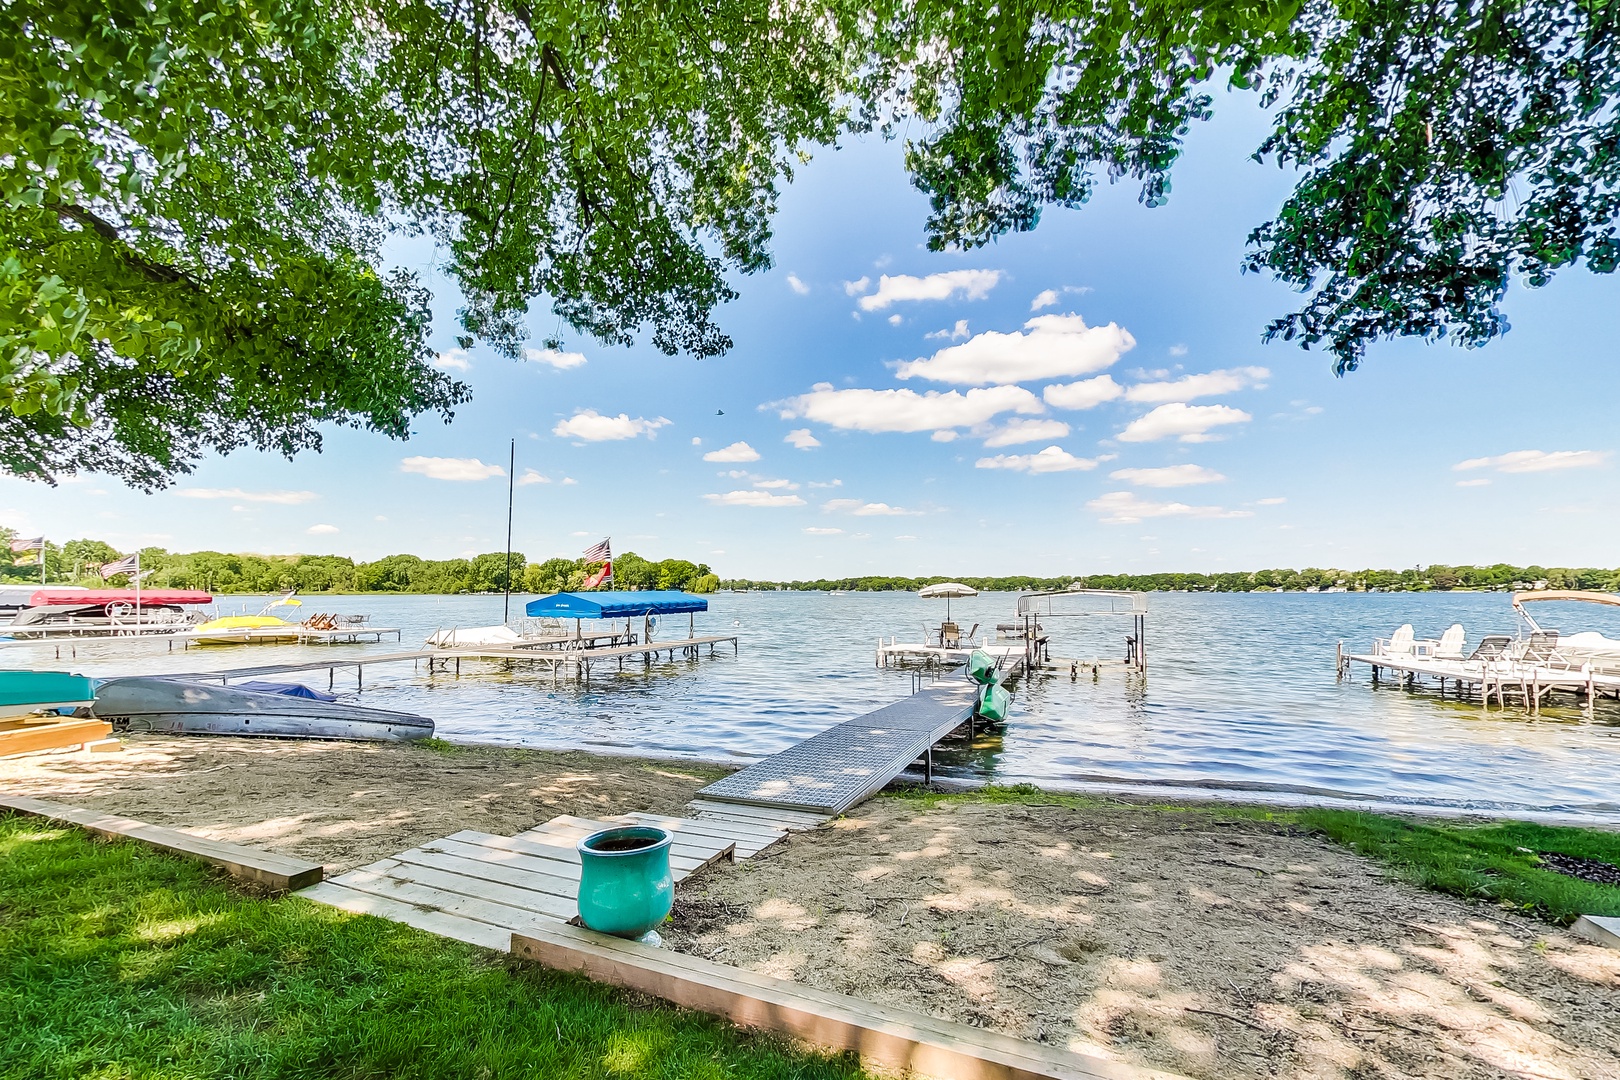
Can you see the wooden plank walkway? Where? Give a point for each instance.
(280, 872)
(897, 1038)
(828, 773)
(479, 888)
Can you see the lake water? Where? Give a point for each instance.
(1240, 697)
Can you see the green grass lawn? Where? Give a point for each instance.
(117, 961)
(1492, 861)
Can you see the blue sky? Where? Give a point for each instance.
(1090, 397)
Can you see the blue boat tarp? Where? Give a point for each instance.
(609, 604)
(285, 689)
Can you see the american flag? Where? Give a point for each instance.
(36, 544)
(600, 552)
(125, 565)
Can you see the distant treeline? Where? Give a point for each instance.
(1499, 576)
(73, 563)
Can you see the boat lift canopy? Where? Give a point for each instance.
(614, 605)
(1062, 603)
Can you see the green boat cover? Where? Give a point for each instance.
(43, 688)
(994, 703)
(981, 668)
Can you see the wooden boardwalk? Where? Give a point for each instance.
(480, 888)
(828, 773)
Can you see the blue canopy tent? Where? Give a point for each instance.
(610, 604)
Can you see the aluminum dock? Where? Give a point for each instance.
(828, 773)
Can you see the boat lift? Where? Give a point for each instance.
(1079, 603)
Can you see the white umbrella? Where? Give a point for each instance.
(949, 590)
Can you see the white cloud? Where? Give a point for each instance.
(280, 498)
(1085, 394)
(907, 410)
(591, 426)
(568, 480)
(1526, 461)
(867, 509)
(1178, 350)
(1190, 423)
(797, 286)
(955, 333)
(321, 530)
(737, 451)
(947, 435)
(1479, 481)
(450, 468)
(453, 360)
(1169, 476)
(1128, 508)
(754, 498)
(1055, 346)
(813, 531)
(856, 287)
(1026, 431)
(1052, 459)
(834, 483)
(972, 284)
(531, 477)
(801, 439)
(697, 441)
(896, 320)
(1190, 387)
(1044, 299)
(1276, 500)
(905, 538)
(776, 485)
(558, 359)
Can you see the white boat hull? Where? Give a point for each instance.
(178, 706)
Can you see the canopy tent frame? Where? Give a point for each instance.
(1071, 603)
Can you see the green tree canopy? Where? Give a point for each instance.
(193, 199)
(1442, 148)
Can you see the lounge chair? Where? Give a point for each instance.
(968, 637)
(1542, 648)
(950, 636)
(1491, 647)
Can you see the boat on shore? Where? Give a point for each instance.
(272, 710)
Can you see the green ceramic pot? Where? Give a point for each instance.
(624, 883)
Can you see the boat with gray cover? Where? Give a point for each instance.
(281, 711)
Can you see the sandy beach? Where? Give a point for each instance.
(1186, 939)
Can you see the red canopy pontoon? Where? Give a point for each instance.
(90, 597)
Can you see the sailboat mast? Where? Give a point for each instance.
(511, 483)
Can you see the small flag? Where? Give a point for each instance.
(603, 575)
(603, 551)
(36, 544)
(122, 566)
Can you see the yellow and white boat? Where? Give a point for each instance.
(239, 629)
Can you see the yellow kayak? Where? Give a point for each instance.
(231, 630)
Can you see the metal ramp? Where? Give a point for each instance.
(831, 772)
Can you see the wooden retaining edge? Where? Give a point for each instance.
(896, 1038)
(1599, 928)
(280, 872)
